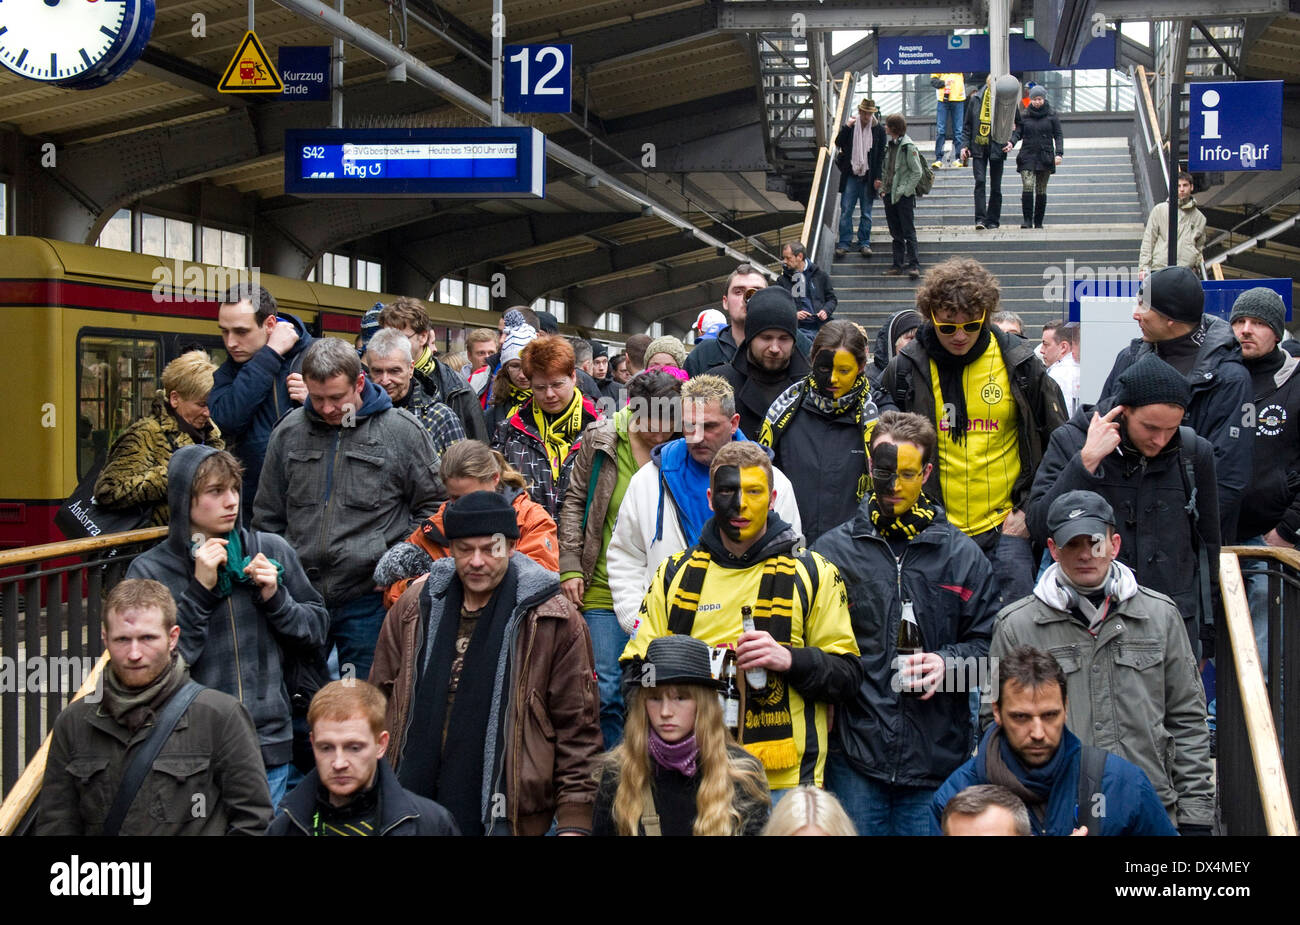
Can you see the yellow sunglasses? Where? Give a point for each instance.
(970, 327)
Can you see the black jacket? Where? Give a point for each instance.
(400, 811)
(905, 386)
(885, 734)
(992, 151)
(883, 351)
(1221, 392)
(1149, 497)
(1040, 131)
(816, 289)
(447, 386)
(875, 158)
(756, 388)
(1272, 500)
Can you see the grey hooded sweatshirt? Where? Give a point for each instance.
(234, 644)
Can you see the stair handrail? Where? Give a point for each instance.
(820, 195)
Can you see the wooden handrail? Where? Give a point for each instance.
(1150, 106)
(1279, 817)
(823, 162)
(19, 800)
(1283, 554)
(29, 554)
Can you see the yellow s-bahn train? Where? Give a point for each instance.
(84, 335)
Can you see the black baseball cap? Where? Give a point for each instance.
(1078, 513)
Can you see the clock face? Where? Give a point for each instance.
(73, 42)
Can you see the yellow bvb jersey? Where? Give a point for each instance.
(976, 476)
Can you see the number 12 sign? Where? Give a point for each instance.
(538, 78)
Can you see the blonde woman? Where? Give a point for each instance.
(677, 771)
(809, 811)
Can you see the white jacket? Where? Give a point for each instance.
(634, 554)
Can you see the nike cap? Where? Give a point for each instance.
(1078, 513)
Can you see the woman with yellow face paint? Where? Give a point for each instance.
(818, 430)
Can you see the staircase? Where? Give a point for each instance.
(1092, 223)
(790, 106)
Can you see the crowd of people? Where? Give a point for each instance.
(776, 584)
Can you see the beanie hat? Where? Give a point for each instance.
(1037, 90)
(548, 323)
(370, 325)
(479, 513)
(1262, 303)
(1152, 381)
(598, 350)
(768, 308)
(518, 333)
(1174, 292)
(906, 320)
(669, 345)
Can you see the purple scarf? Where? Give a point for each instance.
(675, 756)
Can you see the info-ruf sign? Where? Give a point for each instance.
(538, 78)
(1235, 125)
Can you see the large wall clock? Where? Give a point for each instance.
(73, 43)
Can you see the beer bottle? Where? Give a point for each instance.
(910, 641)
(754, 677)
(730, 695)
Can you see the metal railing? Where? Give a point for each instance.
(50, 608)
(821, 217)
(1257, 770)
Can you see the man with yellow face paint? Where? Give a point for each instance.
(818, 427)
(890, 749)
(802, 637)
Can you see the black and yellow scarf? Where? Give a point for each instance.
(856, 402)
(559, 431)
(906, 526)
(985, 128)
(767, 731)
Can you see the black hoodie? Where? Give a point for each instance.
(233, 644)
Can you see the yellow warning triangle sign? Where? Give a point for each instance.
(250, 70)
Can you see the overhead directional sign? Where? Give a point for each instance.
(430, 163)
(250, 70)
(305, 71)
(937, 54)
(538, 78)
(1098, 55)
(1235, 125)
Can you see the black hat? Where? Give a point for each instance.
(479, 513)
(677, 660)
(598, 350)
(1262, 303)
(769, 308)
(909, 319)
(548, 323)
(1078, 513)
(1174, 292)
(1152, 381)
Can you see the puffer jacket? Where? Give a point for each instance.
(1221, 392)
(342, 496)
(211, 755)
(1155, 239)
(135, 471)
(1149, 498)
(905, 386)
(1133, 689)
(546, 679)
(582, 517)
(522, 447)
(1038, 131)
(235, 644)
(885, 734)
(1272, 500)
(248, 399)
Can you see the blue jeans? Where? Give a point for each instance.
(1257, 598)
(856, 193)
(277, 779)
(956, 111)
(607, 643)
(1012, 558)
(354, 629)
(875, 807)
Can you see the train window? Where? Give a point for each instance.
(118, 378)
(116, 232)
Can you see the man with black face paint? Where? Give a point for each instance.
(802, 638)
(900, 557)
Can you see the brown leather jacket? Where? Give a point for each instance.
(552, 737)
(580, 546)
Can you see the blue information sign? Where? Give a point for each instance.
(1027, 55)
(448, 163)
(305, 71)
(936, 54)
(538, 78)
(1235, 126)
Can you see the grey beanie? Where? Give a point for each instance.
(1037, 90)
(1262, 303)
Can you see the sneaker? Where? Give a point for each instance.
(894, 271)
(840, 251)
(991, 225)
(937, 165)
(980, 226)
(914, 273)
(1026, 224)
(866, 250)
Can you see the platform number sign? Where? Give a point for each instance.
(538, 78)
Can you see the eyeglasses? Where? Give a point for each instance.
(970, 327)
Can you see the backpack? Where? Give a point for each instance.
(926, 183)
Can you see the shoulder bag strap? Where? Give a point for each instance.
(649, 816)
(1092, 764)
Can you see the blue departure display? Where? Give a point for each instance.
(482, 162)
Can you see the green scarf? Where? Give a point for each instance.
(855, 402)
(986, 115)
(907, 525)
(232, 572)
(558, 433)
